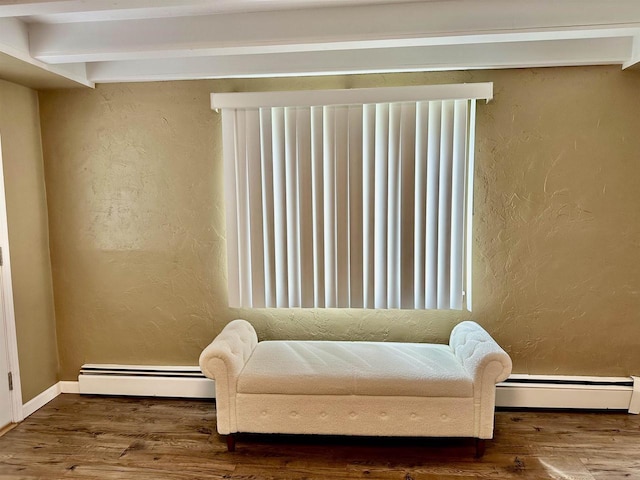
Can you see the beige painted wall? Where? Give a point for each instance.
(28, 238)
(134, 177)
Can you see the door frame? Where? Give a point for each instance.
(7, 316)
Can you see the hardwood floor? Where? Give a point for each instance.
(120, 438)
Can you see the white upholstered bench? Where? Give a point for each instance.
(356, 388)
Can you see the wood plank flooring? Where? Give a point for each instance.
(88, 437)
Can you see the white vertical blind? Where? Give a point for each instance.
(368, 203)
(317, 205)
(267, 207)
(281, 283)
(362, 206)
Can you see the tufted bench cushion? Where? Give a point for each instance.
(354, 368)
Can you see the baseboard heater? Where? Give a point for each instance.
(143, 380)
(518, 391)
(560, 391)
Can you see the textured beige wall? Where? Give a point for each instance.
(28, 238)
(134, 177)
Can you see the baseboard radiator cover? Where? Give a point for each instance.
(560, 391)
(145, 380)
(518, 391)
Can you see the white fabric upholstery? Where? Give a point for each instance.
(356, 415)
(487, 364)
(356, 388)
(355, 368)
(223, 360)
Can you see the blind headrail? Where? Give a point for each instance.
(354, 96)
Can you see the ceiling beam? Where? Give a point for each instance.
(101, 9)
(14, 41)
(433, 58)
(63, 11)
(399, 25)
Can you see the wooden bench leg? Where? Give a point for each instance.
(481, 445)
(231, 442)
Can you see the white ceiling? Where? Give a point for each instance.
(95, 41)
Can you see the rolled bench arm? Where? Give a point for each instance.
(487, 364)
(223, 360)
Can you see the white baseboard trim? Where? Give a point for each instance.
(69, 387)
(41, 400)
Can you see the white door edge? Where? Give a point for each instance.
(9, 312)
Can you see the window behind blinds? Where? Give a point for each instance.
(361, 205)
